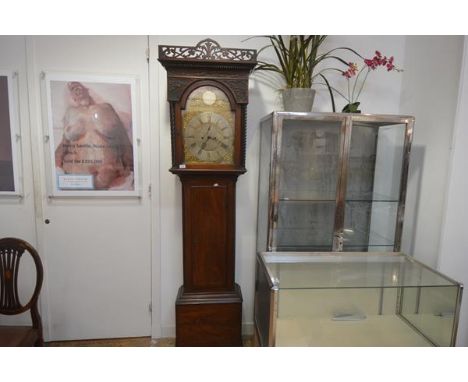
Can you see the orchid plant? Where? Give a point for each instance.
(360, 77)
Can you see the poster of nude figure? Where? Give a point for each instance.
(92, 135)
(8, 137)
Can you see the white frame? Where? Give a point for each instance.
(54, 191)
(13, 105)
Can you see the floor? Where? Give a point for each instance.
(127, 342)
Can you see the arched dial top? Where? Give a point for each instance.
(208, 127)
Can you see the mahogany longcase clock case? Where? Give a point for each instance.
(207, 89)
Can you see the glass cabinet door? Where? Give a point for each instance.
(307, 172)
(374, 173)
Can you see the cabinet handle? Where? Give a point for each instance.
(338, 244)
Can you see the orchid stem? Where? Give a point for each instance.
(362, 86)
(349, 94)
(354, 87)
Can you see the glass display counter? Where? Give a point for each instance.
(353, 299)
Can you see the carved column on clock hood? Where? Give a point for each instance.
(207, 90)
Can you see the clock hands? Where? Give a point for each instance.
(202, 147)
(207, 134)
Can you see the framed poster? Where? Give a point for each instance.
(9, 135)
(92, 135)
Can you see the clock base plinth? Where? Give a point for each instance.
(209, 319)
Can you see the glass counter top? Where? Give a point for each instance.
(302, 270)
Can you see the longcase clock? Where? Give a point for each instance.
(208, 96)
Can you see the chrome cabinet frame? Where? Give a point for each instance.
(277, 118)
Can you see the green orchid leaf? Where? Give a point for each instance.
(332, 98)
(352, 108)
(344, 48)
(334, 58)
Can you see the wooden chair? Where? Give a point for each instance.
(11, 251)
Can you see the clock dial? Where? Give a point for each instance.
(208, 137)
(208, 127)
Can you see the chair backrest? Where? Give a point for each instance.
(11, 251)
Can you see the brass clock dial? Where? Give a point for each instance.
(209, 137)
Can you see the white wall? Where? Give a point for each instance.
(430, 90)
(453, 259)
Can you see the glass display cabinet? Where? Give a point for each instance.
(353, 299)
(332, 181)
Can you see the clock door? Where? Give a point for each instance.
(208, 233)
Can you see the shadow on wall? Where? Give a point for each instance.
(410, 225)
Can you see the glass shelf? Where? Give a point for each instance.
(304, 196)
